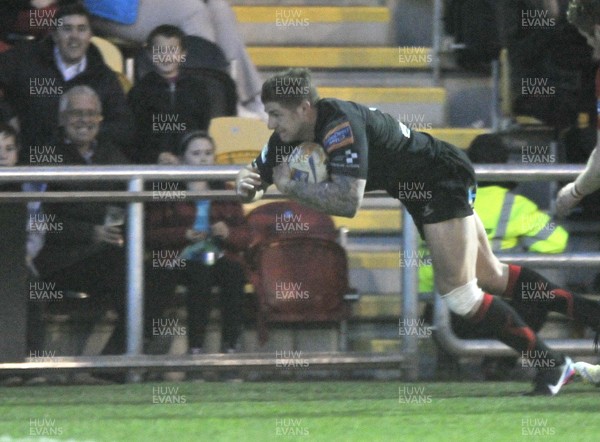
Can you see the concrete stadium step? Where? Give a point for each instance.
(365, 77)
(308, 2)
(350, 57)
(311, 25)
(374, 260)
(376, 345)
(420, 108)
(377, 306)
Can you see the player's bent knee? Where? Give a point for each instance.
(494, 279)
(465, 299)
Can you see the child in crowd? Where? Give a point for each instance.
(166, 102)
(209, 237)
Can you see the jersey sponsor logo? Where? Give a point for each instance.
(351, 157)
(340, 136)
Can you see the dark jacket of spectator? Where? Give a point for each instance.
(76, 220)
(164, 110)
(6, 112)
(167, 223)
(33, 85)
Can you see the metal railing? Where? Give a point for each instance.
(133, 360)
(136, 176)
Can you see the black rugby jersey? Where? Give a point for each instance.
(361, 142)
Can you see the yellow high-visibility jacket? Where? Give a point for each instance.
(513, 223)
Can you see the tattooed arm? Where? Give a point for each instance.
(342, 196)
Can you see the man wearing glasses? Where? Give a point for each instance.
(84, 241)
(35, 74)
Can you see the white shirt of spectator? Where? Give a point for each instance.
(69, 72)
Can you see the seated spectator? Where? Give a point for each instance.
(213, 20)
(9, 149)
(85, 251)
(166, 102)
(34, 76)
(9, 153)
(209, 236)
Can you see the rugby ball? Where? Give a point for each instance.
(308, 163)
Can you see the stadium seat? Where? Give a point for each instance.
(221, 90)
(298, 270)
(264, 219)
(114, 59)
(111, 53)
(238, 139)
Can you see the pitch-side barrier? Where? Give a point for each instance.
(137, 176)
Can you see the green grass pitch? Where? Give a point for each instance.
(298, 411)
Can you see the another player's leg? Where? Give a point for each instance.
(456, 248)
(588, 372)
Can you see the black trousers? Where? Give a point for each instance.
(102, 277)
(228, 275)
(199, 279)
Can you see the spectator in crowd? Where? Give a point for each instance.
(34, 76)
(9, 154)
(9, 149)
(85, 253)
(213, 20)
(210, 236)
(166, 102)
(513, 223)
